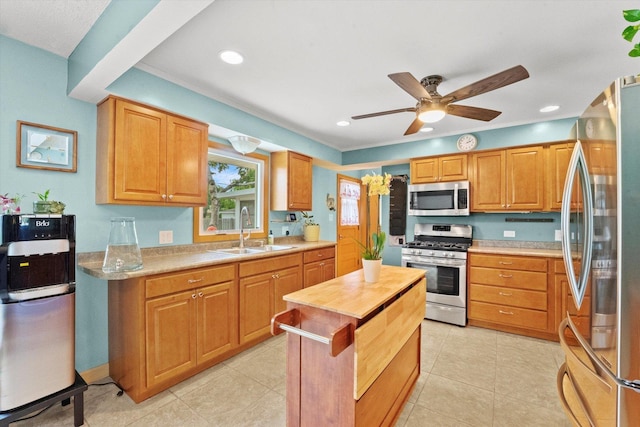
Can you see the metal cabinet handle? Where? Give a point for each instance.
(194, 296)
(505, 263)
(505, 276)
(200, 294)
(170, 196)
(510, 313)
(505, 294)
(195, 280)
(339, 340)
(164, 197)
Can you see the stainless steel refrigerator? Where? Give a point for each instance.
(599, 383)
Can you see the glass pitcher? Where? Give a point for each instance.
(123, 252)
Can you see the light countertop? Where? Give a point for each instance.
(176, 258)
(522, 248)
(352, 296)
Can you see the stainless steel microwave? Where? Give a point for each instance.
(439, 199)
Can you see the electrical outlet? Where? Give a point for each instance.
(509, 233)
(558, 235)
(285, 230)
(166, 237)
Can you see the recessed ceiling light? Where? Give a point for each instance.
(343, 123)
(231, 57)
(426, 129)
(549, 108)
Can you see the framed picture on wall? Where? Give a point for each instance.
(46, 147)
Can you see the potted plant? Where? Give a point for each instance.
(44, 205)
(10, 205)
(377, 185)
(311, 229)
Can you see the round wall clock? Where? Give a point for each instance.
(590, 128)
(467, 142)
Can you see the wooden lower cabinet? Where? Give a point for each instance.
(319, 266)
(581, 317)
(512, 293)
(263, 283)
(167, 327)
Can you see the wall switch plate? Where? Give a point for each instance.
(166, 236)
(558, 235)
(285, 230)
(509, 233)
(397, 240)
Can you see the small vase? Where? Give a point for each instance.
(41, 206)
(371, 268)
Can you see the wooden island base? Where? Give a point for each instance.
(353, 348)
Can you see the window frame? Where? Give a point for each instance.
(232, 235)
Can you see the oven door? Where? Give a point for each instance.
(446, 278)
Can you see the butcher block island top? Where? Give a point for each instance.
(353, 348)
(352, 296)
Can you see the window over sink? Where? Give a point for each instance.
(235, 181)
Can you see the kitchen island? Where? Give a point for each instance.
(353, 348)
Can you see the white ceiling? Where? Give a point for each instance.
(311, 63)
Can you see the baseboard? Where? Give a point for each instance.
(94, 374)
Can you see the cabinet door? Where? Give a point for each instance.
(140, 153)
(318, 272)
(217, 320)
(300, 177)
(525, 178)
(170, 336)
(424, 170)
(453, 168)
(186, 162)
(559, 156)
(286, 281)
(488, 184)
(256, 306)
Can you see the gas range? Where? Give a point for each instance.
(440, 240)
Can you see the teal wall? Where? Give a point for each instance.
(33, 88)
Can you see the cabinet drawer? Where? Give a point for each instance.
(508, 296)
(513, 316)
(319, 254)
(508, 262)
(559, 268)
(249, 268)
(536, 281)
(169, 283)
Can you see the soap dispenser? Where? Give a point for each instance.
(270, 238)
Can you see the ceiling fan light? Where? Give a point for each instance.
(431, 116)
(244, 144)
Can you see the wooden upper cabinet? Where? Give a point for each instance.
(488, 183)
(558, 163)
(525, 178)
(510, 180)
(291, 181)
(147, 156)
(439, 169)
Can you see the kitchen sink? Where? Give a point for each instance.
(251, 250)
(275, 247)
(239, 251)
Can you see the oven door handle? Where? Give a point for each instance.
(430, 263)
(455, 197)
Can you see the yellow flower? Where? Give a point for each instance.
(377, 185)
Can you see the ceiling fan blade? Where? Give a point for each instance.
(384, 113)
(496, 81)
(475, 113)
(414, 127)
(410, 84)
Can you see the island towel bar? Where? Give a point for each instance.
(339, 340)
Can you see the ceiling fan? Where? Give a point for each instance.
(432, 106)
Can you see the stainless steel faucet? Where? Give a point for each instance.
(242, 238)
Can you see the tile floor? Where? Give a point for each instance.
(470, 377)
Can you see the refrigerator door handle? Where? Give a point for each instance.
(601, 367)
(564, 371)
(577, 165)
